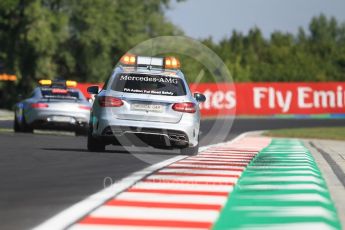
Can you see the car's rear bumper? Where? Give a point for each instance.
(141, 136)
(182, 134)
(38, 119)
(44, 124)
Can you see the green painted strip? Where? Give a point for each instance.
(284, 115)
(320, 116)
(282, 188)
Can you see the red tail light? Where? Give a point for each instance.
(59, 91)
(186, 107)
(106, 101)
(39, 105)
(84, 107)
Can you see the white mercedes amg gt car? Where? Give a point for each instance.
(146, 100)
(53, 105)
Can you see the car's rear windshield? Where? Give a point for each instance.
(63, 94)
(149, 84)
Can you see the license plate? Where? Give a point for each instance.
(148, 107)
(62, 119)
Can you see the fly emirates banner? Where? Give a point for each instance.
(267, 98)
(272, 98)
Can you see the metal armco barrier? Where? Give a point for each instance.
(282, 188)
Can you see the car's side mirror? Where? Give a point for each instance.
(199, 97)
(93, 89)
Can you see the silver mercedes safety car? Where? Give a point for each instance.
(53, 105)
(146, 100)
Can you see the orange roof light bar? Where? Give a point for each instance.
(70, 83)
(45, 82)
(133, 60)
(172, 63)
(128, 59)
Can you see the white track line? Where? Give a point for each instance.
(75, 212)
(72, 214)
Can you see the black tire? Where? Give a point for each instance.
(94, 144)
(16, 126)
(25, 127)
(190, 151)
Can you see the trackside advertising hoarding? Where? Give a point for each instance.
(270, 98)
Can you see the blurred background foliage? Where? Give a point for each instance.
(82, 40)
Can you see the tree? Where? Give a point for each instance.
(74, 39)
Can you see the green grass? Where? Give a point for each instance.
(5, 130)
(331, 133)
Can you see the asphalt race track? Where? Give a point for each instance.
(40, 175)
